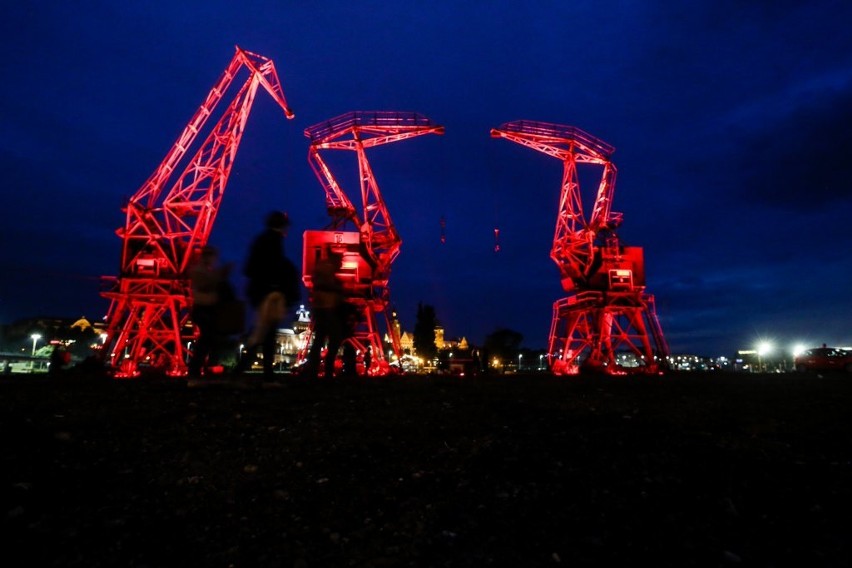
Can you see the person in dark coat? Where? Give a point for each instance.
(59, 357)
(273, 286)
(207, 278)
(327, 312)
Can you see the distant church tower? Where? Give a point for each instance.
(396, 329)
(439, 337)
(303, 320)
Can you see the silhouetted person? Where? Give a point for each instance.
(59, 357)
(327, 314)
(350, 361)
(208, 280)
(368, 360)
(273, 286)
(349, 317)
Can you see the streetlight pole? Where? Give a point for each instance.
(763, 349)
(35, 337)
(520, 356)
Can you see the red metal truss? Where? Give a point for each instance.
(358, 131)
(612, 332)
(575, 235)
(378, 242)
(148, 321)
(608, 323)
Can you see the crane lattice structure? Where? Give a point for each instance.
(148, 319)
(607, 323)
(370, 249)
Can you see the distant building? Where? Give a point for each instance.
(439, 337)
(52, 327)
(303, 320)
(290, 342)
(458, 343)
(82, 324)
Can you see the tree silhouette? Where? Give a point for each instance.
(503, 343)
(424, 331)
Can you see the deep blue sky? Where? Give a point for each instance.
(732, 123)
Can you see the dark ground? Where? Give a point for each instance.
(687, 470)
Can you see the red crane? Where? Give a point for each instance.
(608, 323)
(148, 319)
(371, 248)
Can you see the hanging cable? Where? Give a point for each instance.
(496, 182)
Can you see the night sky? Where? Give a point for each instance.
(732, 123)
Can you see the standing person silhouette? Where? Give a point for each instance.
(207, 278)
(273, 286)
(327, 314)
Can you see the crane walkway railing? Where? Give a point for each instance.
(391, 120)
(558, 132)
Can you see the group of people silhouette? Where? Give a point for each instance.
(273, 288)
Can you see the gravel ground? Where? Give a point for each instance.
(521, 471)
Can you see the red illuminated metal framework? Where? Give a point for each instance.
(148, 319)
(608, 323)
(369, 250)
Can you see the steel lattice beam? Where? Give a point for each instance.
(379, 239)
(164, 229)
(609, 318)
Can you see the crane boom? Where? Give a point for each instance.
(357, 131)
(575, 236)
(162, 233)
(369, 251)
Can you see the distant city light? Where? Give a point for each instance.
(35, 337)
(764, 348)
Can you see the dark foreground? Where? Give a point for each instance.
(701, 470)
